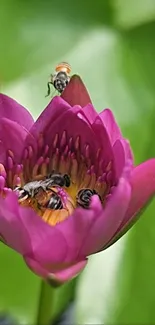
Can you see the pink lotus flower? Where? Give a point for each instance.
(71, 138)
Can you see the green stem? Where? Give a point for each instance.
(46, 302)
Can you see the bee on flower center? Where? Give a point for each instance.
(49, 199)
(60, 78)
(44, 191)
(84, 197)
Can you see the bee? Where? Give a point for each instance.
(84, 196)
(60, 79)
(44, 191)
(49, 199)
(62, 180)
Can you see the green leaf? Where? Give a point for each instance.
(36, 34)
(132, 13)
(136, 279)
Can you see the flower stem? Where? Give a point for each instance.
(46, 302)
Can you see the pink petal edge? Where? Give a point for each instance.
(110, 124)
(12, 110)
(143, 189)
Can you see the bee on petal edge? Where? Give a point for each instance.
(60, 79)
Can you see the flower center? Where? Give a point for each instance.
(55, 180)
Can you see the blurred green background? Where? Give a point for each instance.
(111, 44)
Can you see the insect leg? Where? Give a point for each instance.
(48, 88)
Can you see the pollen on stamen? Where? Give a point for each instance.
(30, 152)
(67, 163)
(9, 173)
(77, 143)
(66, 150)
(86, 180)
(74, 170)
(87, 151)
(92, 181)
(2, 171)
(55, 141)
(70, 143)
(40, 140)
(25, 154)
(100, 187)
(62, 166)
(10, 163)
(55, 160)
(44, 168)
(98, 153)
(36, 167)
(63, 139)
(46, 150)
(2, 183)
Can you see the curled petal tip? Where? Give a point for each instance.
(76, 93)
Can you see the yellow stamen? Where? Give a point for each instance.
(62, 167)
(92, 181)
(86, 181)
(54, 162)
(77, 143)
(52, 217)
(55, 140)
(74, 170)
(44, 169)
